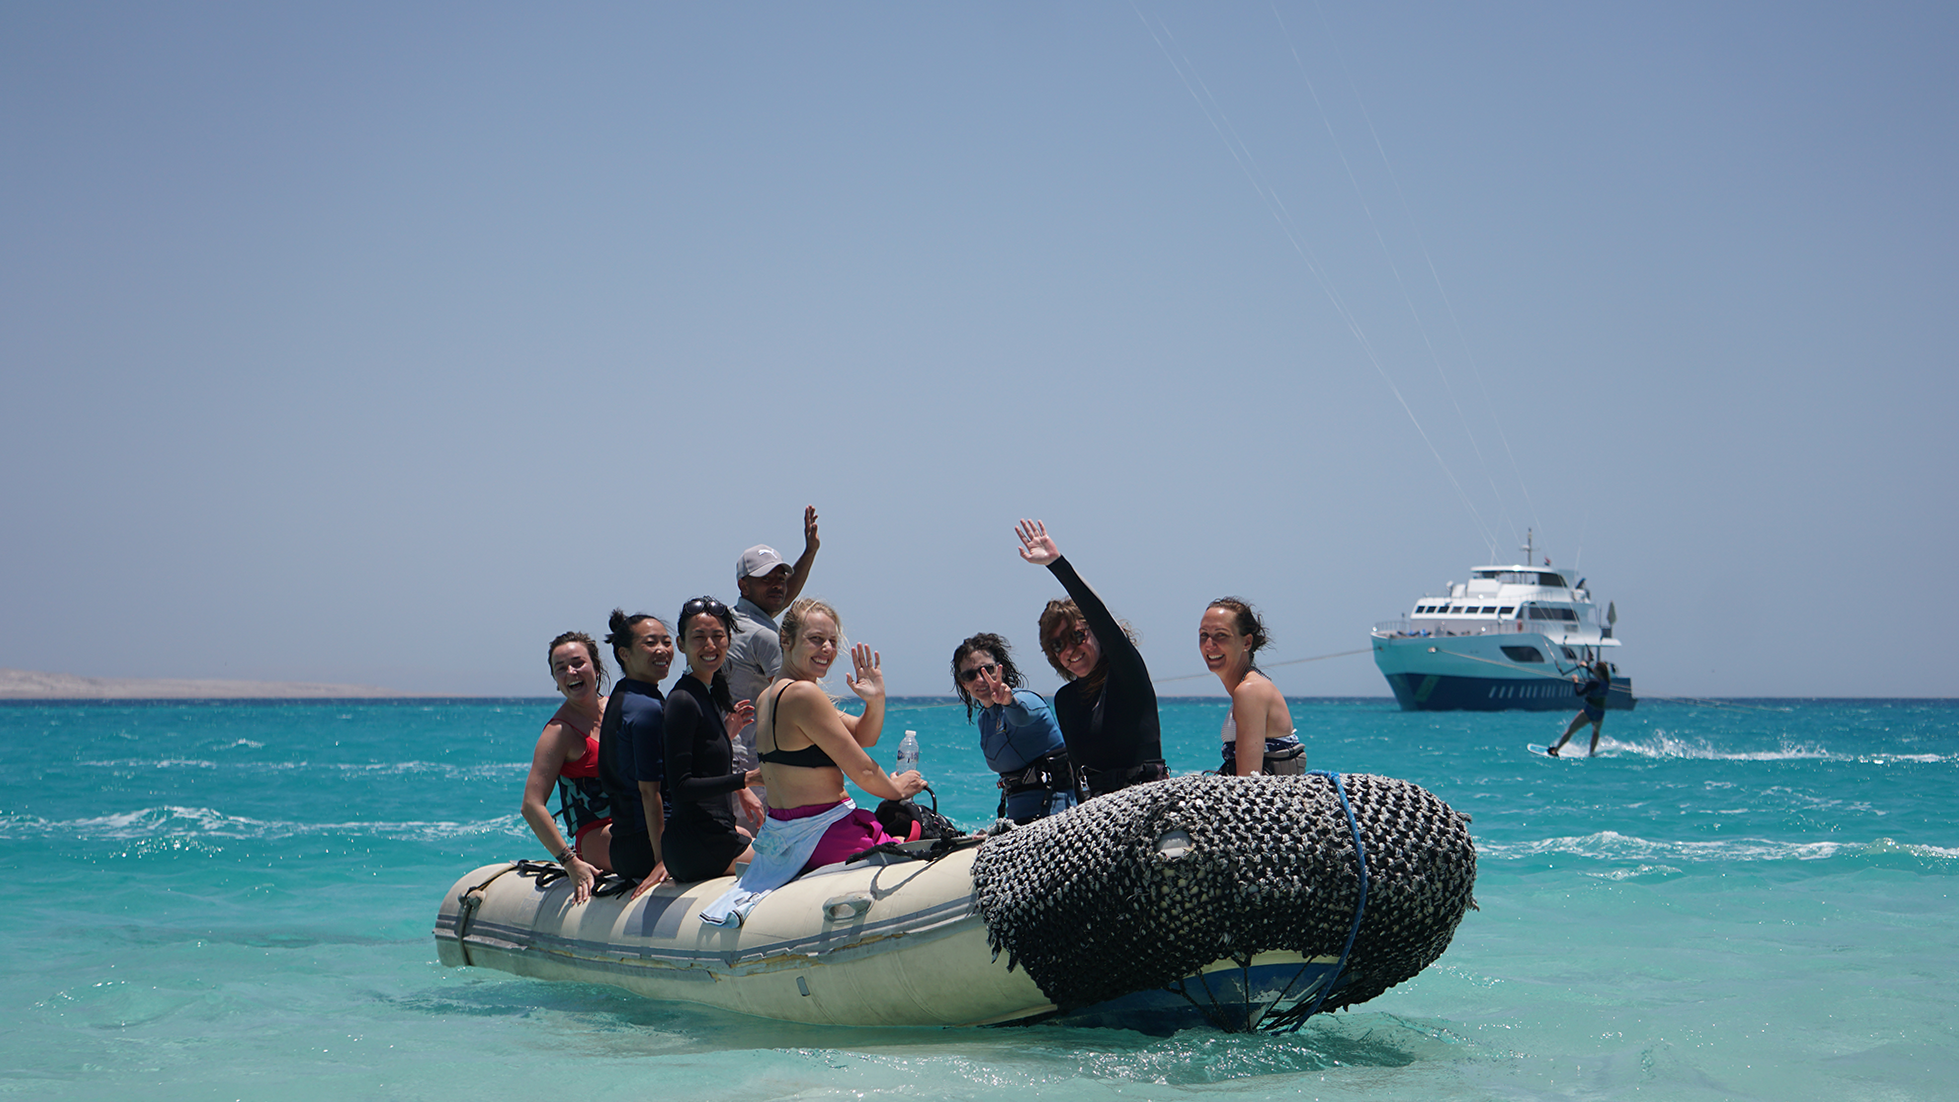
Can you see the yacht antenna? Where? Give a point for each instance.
(1530, 559)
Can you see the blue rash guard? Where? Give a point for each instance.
(1015, 736)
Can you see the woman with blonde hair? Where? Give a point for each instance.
(807, 748)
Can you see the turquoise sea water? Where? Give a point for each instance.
(219, 900)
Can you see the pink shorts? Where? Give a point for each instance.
(850, 835)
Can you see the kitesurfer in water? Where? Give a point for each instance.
(1593, 689)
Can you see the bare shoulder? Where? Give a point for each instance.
(800, 695)
(1256, 689)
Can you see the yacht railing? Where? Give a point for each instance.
(1446, 629)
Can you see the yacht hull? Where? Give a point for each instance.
(1475, 674)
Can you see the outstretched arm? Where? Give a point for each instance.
(799, 573)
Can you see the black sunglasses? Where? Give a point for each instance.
(699, 605)
(972, 675)
(1068, 640)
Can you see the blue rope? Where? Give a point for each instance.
(1360, 908)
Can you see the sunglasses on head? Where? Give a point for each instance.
(703, 604)
(972, 675)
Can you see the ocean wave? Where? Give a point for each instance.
(1663, 745)
(441, 770)
(202, 822)
(1610, 845)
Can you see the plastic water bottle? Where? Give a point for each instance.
(908, 752)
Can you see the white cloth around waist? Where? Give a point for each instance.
(782, 848)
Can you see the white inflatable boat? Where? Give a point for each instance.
(1242, 902)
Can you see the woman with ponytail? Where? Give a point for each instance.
(1258, 735)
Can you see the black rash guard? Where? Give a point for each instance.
(700, 839)
(1118, 728)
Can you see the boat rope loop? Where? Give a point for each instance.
(472, 898)
(1289, 1018)
(1142, 888)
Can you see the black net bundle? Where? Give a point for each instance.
(1141, 888)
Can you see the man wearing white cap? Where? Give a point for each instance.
(767, 586)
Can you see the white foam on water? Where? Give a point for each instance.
(1610, 845)
(202, 822)
(1663, 745)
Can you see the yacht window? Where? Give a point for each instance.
(1568, 655)
(1523, 654)
(1506, 610)
(1489, 610)
(1551, 579)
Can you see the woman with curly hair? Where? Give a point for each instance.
(1018, 734)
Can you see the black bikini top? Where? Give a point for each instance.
(809, 757)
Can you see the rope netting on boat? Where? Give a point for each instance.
(1144, 887)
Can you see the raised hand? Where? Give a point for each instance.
(810, 540)
(1035, 545)
(868, 682)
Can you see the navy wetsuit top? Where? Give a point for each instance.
(631, 750)
(1118, 728)
(1594, 690)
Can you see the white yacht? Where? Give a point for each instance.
(1509, 637)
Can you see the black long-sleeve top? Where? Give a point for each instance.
(1117, 728)
(700, 759)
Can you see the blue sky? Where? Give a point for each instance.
(379, 343)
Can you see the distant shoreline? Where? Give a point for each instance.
(36, 685)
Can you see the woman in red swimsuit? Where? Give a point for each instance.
(567, 756)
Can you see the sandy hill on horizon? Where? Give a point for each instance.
(36, 685)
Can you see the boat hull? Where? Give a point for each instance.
(1238, 902)
(1475, 674)
(1443, 693)
(879, 945)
